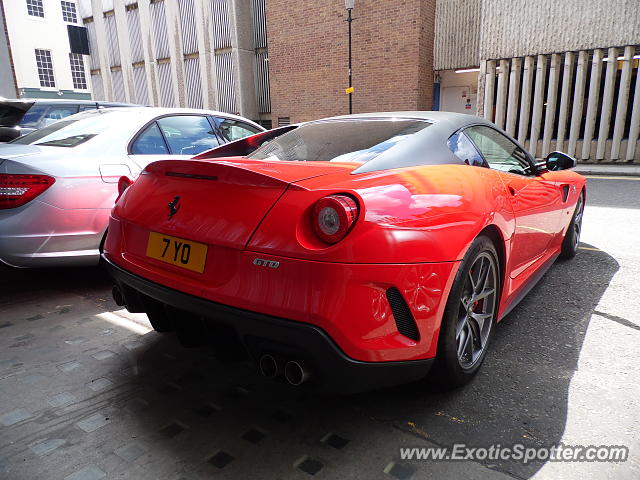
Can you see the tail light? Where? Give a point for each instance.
(16, 190)
(334, 216)
(123, 184)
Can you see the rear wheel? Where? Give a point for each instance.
(470, 315)
(572, 237)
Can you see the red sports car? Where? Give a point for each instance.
(346, 253)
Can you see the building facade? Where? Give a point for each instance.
(556, 75)
(188, 53)
(308, 57)
(41, 50)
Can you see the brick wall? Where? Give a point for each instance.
(392, 57)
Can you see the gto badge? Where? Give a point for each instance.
(173, 207)
(261, 262)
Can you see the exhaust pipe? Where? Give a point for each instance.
(269, 366)
(296, 373)
(117, 296)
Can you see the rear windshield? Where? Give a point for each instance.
(349, 140)
(11, 113)
(71, 131)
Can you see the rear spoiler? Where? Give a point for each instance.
(244, 146)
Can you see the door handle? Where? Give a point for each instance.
(512, 191)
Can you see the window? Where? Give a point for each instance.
(73, 131)
(235, 130)
(188, 134)
(466, 151)
(339, 140)
(58, 113)
(45, 68)
(77, 71)
(499, 152)
(150, 142)
(84, 108)
(69, 12)
(35, 8)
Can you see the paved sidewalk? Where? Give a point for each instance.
(622, 169)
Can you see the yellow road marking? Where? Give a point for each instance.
(589, 248)
(602, 177)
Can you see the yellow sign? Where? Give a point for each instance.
(349, 90)
(177, 251)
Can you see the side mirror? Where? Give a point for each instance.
(559, 161)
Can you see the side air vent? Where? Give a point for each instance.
(404, 320)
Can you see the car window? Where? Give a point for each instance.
(150, 142)
(74, 130)
(56, 113)
(235, 129)
(188, 134)
(88, 107)
(499, 152)
(465, 150)
(339, 140)
(33, 116)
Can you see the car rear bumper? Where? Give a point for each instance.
(41, 235)
(332, 370)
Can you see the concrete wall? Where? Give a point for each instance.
(468, 31)
(182, 59)
(392, 57)
(457, 34)
(515, 28)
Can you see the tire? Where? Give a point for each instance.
(571, 239)
(470, 315)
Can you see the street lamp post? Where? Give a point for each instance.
(349, 4)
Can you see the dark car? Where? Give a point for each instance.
(19, 117)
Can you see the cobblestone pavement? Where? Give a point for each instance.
(88, 391)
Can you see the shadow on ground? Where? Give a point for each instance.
(199, 407)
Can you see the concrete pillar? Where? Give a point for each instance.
(607, 102)
(578, 102)
(204, 48)
(489, 88)
(525, 104)
(514, 95)
(501, 98)
(175, 52)
(149, 56)
(101, 36)
(124, 43)
(552, 95)
(538, 101)
(481, 89)
(634, 130)
(567, 82)
(623, 99)
(244, 57)
(592, 103)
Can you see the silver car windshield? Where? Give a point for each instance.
(73, 130)
(354, 141)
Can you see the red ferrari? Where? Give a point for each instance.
(346, 253)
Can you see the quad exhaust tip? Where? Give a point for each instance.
(296, 373)
(117, 296)
(269, 366)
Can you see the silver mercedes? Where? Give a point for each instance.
(59, 183)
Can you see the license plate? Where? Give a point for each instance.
(177, 251)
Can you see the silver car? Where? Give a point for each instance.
(58, 184)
